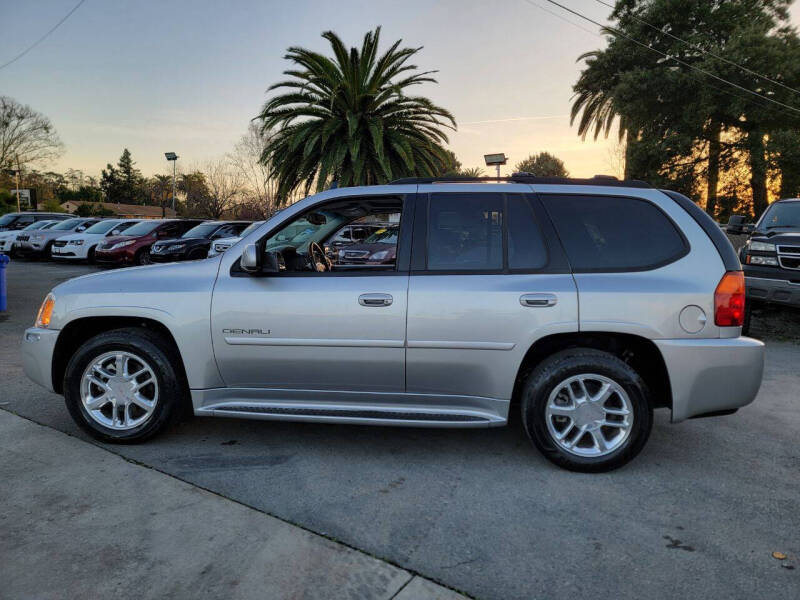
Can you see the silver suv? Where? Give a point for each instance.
(582, 304)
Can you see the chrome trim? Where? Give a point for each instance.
(342, 343)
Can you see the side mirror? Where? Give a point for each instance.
(250, 262)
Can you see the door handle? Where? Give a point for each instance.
(375, 299)
(535, 300)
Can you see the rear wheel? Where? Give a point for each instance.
(123, 386)
(586, 410)
(143, 257)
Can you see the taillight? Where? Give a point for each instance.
(729, 300)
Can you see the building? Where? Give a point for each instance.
(136, 211)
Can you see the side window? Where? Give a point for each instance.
(526, 248)
(465, 232)
(614, 233)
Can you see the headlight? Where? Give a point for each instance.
(122, 244)
(37, 236)
(76, 242)
(762, 247)
(177, 246)
(45, 311)
(762, 260)
(379, 255)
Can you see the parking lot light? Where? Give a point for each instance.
(174, 158)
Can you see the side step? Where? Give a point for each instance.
(353, 416)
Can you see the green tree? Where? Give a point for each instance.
(543, 164)
(123, 183)
(350, 120)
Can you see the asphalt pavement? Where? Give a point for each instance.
(697, 515)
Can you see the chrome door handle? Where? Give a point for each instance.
(538, 299)
(375, 299)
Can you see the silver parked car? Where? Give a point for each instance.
(583, 304)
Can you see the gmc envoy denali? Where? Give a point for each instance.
(583, 304)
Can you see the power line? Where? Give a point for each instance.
(708, 52)
(667, 56)
(41, 39)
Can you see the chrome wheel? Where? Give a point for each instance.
(119, 390)
(589, 415)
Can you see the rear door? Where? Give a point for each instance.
(488, 279)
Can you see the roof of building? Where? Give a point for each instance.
(125, 210)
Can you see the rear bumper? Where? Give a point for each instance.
(712, 375)
(780, 291)
(37, 355)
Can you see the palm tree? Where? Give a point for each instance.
(594, 97)
(347, 119)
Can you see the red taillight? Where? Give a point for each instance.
(729, 300)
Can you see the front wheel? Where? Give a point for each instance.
(123, 386)
(586, 410)
(143, 257)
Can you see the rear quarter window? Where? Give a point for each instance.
(614, 233)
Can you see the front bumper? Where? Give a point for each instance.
(68, 252)
(113, 257)
(773, 285)
(37, 355)
(712, 375)
(165, 257)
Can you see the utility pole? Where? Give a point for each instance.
(174, 158)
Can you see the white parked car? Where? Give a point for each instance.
(81, 246)
(9, 238)
(223, 244)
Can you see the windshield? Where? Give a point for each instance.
(102, 227)
(785, 214)
(67, 225)
(37, 225)
(8, 219)
(143, 228)
(203, 230)
(251, 228)
(384, 236)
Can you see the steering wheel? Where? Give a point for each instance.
(317, 259)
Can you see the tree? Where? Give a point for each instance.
(26, 136)
(543, 164)
(350, 120)
(224, 186)
(259, 190)
(195, 189)
(472, 172)
(123, 183)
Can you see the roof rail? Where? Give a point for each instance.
(606, 180)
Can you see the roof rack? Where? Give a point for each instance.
(606, 180)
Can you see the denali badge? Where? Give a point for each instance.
(246, 331)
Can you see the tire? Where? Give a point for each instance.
(90, 255)
(748, 314)
(47, 253)
(546, 392)
(143, 257)
(197, 254)
(142, 348)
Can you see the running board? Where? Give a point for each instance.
(350, 416)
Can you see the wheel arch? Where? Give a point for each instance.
(639, 352)
(78, 331)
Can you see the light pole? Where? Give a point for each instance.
(495, 160)
(174, 158)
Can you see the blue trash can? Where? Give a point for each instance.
(3, 290)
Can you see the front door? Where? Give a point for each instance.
(342, 329)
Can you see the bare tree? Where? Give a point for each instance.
(224, 188)
(259, 190)
(26, 136)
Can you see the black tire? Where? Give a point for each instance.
(143, 257)
(197, 254)
(556, 369)
(90, 255)
(47, 253)
(161, 357)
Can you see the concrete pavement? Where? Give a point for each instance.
(80, 522)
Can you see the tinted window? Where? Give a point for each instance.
(526, 249)
(611, 233)
(102, 227)
(465, 232)
(143, 228)
(202, 231)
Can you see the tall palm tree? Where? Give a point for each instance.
(346, 119)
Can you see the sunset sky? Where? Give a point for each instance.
(187, 76)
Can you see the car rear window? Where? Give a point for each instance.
(614, 233)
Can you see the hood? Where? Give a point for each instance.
(777, 236)
(110, 241)
(73, 236)
(187, 241)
